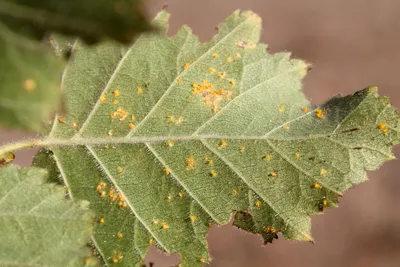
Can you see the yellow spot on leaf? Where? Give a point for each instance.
(235, 192)
(297, 155)
(258, 203)
(286, 127)
(74, 125)
(223, 144)
(169, 197)
(232, 83)
(192, 218)
(167, 171)
(317, 186)
(164, 226)
(179, 80)
(281, 108)
(383, 127)
(132, 126)
(140, 90)
(181, 194)
(120, 170)
(186, 66)
(208, 161)
(116, 93)
(213, 173)
(202, 260)
(269, 229)
(322, 172)
(29, 85)
(212, 70)
(267, 157)
(238, 55)
(110, 133)
(114, 102)
(242, 148)
(215, 56)
(120, 235)
(155, 221)
(305, 109)
(103, 99)
(229, 60)
(221, 75)
(274, 174)
(171, 143)
(320, 114)
(190, 163)
(102, 220)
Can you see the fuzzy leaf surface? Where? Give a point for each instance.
(173, 135)
(38, 226)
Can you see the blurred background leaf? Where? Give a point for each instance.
(30, 75)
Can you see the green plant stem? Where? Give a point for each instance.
(11, 147)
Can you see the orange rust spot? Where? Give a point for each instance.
(223, 144)
(383, 127)
(317, 186)
(29, 85)
(61, 121)
(320, 114)
(190, 163)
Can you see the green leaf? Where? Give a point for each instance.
(38, 226)
(29, 81)
(174, 135)
(93, 21)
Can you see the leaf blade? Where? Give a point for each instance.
(243, 138)
(39, 227)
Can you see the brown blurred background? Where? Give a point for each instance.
(352, 44)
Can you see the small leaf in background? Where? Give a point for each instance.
(93, 21)
(38, 226)
(29, 81)
(173, 135)
(30, 75)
